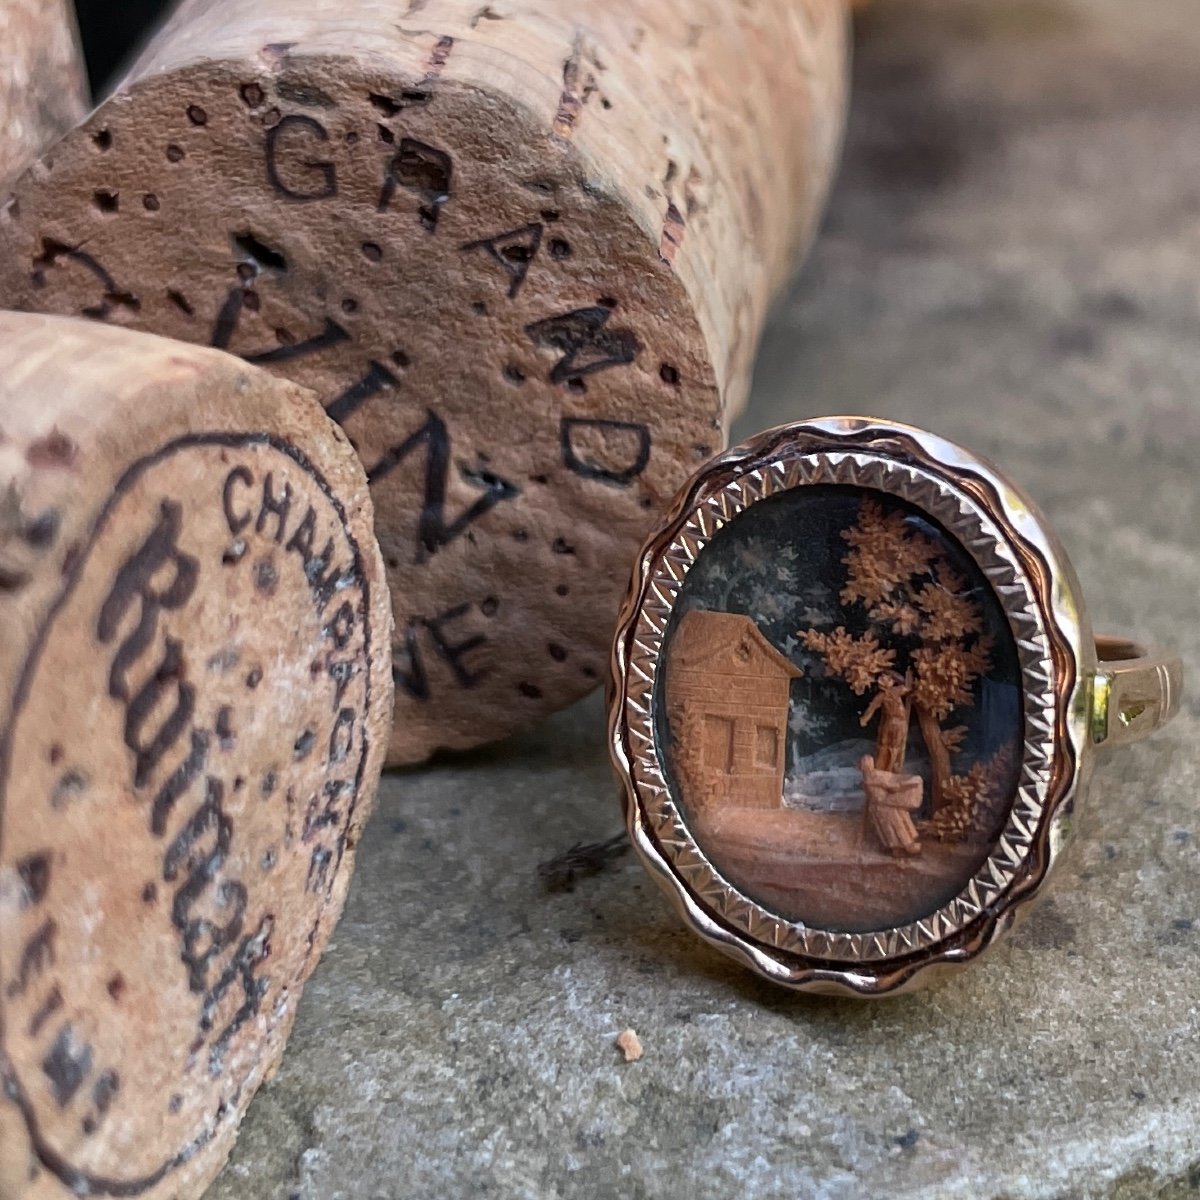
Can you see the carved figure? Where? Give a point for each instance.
(893, 701)
(891, 799)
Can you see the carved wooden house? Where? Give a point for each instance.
(728, 689)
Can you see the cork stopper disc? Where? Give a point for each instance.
(197, 696)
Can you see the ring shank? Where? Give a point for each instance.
(1137, 690)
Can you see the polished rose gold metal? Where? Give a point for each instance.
(1078, 694)
(1137, 691)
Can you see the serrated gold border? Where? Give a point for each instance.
(1033, 583)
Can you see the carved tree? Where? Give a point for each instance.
(921, 622)
(975, 801)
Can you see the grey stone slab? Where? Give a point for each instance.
(1011, 258)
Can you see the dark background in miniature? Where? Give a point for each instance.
(111, 30)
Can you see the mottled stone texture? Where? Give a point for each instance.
(1011, 260)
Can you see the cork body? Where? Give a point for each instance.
(521, 250)
(195, 700)
(43, 88)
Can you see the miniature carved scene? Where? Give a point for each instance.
(840, 709)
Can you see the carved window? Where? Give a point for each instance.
(718, 743)
(766, 747)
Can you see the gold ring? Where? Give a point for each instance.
(856, 699)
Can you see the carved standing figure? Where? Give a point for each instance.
(891, 799)
(894, 704)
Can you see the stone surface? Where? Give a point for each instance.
(1011, 260)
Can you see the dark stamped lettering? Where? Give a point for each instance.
(615, 452)
(241, 973)
(457, 648)
(145, 667)
(330, 335)
(57, 254)
(236, 520)
(230, 315)
(586, 342)
(514, 250)
(422, 169)
(134, 585)
(301, 178)
(433, 529)
(377, 379)
(36, 958)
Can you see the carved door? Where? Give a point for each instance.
(718, 743)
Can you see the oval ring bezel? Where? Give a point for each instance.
(1036, 588)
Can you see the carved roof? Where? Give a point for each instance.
(720, 643)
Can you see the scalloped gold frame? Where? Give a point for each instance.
(1037, 589)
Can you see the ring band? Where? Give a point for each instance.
(855, 699)
(1138, 689)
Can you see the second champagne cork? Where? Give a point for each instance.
(195, 698)
(522, 250)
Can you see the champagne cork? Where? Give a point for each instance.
(522, 251)
(194, 704)
(43, 89)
